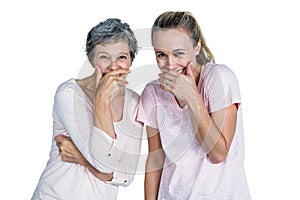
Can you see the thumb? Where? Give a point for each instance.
(189, 70)
(98, 74)
(60, 138)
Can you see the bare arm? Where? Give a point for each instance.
(69, 153)
(106, 90)
(154, 164)
(214, 132)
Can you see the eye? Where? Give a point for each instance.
(103, 57)
(123, 57)
(179, 53)
(161, 55)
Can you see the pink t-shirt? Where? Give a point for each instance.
(188, 172)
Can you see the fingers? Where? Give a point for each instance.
(67, 149)
(170, 72)
(189, 70)
(118, 72)
(66, 157)
(98, 74)
(59, 139)
(62, 142)
(118, 75)
(168, 78)
(166, 84)
(112, 79)
(121, 81)
(171, 79)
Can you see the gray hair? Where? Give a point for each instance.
(110, 31)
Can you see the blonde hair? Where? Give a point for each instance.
(187, 21)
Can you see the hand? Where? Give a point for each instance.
(110, 84)
(68, 151)
(179, 84)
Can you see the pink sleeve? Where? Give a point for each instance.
(147, 107)
(222, 88)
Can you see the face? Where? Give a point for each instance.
(174, 49)
(110, 57)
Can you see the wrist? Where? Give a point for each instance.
(192, 99)
(105, 176)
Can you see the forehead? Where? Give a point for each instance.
(112, 48)
(168, 39)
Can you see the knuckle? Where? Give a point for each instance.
(57, 138)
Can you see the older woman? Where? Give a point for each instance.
(98, 114)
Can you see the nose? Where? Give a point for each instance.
(172, 63)
(113, 65)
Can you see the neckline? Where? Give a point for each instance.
(91, 103)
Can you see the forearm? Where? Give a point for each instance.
(209, 136)
(104, 118)
(152, 182)
(100, 175)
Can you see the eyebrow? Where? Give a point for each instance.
(124, 53)
(179, 50)
(104, 52)
(175, 50)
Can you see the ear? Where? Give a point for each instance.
(198, 47)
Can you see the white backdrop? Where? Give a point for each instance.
(42, 45)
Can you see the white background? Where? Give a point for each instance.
(42, 45)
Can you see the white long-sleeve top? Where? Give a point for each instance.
(73, 115)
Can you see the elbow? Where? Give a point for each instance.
(217, 158)
(155, 162)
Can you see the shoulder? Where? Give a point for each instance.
(67, 86)
(214, 70)
(132, 95)
(213, 74)
(152, 87)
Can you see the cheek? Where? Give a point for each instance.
(190, 57)
(102, 65)
(161, 62)
(125, 65)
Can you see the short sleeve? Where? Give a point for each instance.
(147, 107)
(222, 88)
